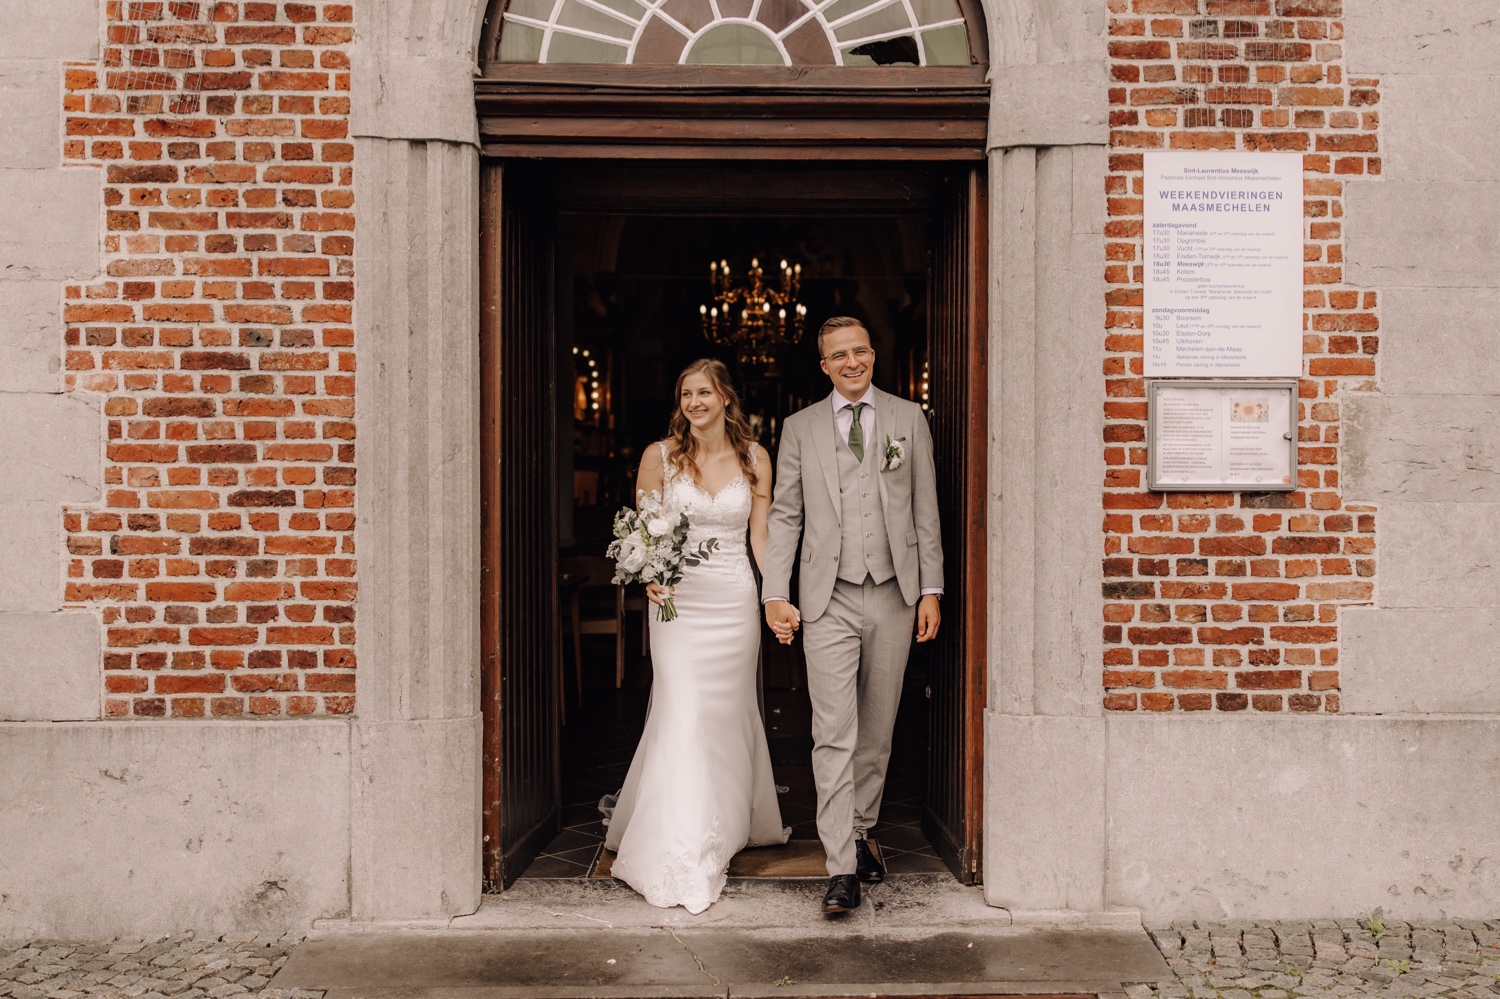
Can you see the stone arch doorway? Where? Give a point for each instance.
(881, 104)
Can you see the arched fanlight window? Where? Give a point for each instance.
(736, 32)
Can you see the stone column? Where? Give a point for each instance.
(416, 769)
(1044, 847)
(50, 453)
(1423, 447)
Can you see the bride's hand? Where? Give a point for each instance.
(656, 593)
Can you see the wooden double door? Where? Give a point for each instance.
(521, 203)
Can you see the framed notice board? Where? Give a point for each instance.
(1223, 275)
(1222, 435)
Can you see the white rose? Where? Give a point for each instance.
(649, 504)
(659, 527)
(633, 553)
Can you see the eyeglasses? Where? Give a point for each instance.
(860, 354)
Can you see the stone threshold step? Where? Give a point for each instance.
(819, 960)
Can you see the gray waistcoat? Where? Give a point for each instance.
(866, 548)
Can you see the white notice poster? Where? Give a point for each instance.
(1222, 435)
(1223, 290)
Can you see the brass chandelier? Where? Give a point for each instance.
(755, 319)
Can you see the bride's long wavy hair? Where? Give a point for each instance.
(682, 446)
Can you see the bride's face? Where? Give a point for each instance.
(700, 402)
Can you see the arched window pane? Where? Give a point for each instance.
(576, 48)
(735, 44)
(521, 43)
(936, 11)
(736, 32)
(947, 46)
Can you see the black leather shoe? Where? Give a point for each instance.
(867, 863)
(842, 894)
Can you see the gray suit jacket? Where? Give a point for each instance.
(806, 504)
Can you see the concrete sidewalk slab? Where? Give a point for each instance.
(721, 962)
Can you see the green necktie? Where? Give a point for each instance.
(857, 432)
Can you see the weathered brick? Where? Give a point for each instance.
(1160, 636)
(1195, 678)
(223, 636)
(181, 592)
(189, 683)
(1278, 51)
(1306, 634)
(228, 201)
(263, 497)
(1270, 77)
(1231, 636)
(1238, 545)
(1268, 679)
(216, 454)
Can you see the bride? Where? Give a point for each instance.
(700, 787)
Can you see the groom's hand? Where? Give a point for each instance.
(783, 619)
(928, 618)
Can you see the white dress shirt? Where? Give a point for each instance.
(843, 415)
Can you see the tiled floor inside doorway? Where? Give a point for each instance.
(600, 736)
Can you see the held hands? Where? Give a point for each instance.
(656, 593)
(928, 618)
(784, 620)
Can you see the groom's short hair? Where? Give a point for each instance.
(838, 323)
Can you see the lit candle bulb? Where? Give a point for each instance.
(783, 315)
(702, 310)
(754, 261)
(783, 265)
(768, 307)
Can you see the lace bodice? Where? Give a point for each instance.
(725, 515)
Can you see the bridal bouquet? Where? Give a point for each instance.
(651, 546)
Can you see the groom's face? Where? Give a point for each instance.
(849, 360)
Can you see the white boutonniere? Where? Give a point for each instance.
(894, 455)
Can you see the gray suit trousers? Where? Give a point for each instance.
(856, 659)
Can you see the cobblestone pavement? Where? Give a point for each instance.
(1376, 957)
(178, 967)
(1370, 958)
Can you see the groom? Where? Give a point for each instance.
(854, 478)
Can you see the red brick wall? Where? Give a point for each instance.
(222, 556)
(1225, 601)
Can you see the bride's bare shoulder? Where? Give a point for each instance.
(652, 458)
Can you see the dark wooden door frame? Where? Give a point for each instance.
(715, 113)
(520, 650)
(953, 814)
(845, 116)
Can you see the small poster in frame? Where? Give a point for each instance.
(1222, 435)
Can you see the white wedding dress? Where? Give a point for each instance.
(700, 786)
